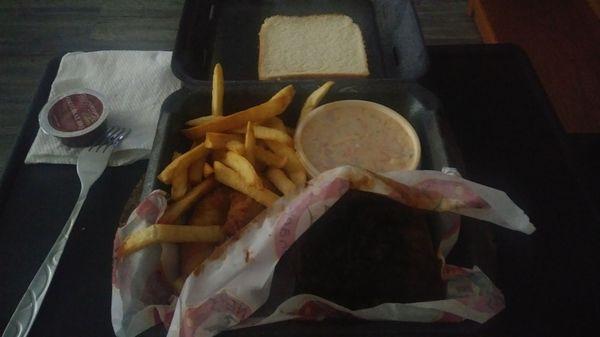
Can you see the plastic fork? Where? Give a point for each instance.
(91, 163)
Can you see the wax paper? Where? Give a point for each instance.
(235, 280)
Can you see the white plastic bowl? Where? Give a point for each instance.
(356, 132)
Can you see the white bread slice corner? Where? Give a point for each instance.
(328, 45)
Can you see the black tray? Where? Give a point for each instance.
(548, 278)
(414, 102)
(226, 31)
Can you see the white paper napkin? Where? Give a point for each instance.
(135, 84)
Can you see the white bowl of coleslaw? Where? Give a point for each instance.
(359, 133)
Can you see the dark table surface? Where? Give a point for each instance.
(508, 138)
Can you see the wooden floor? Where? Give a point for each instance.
(33, 32)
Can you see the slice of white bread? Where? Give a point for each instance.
(311, 46)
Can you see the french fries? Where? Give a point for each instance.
(217, 91)
(281, 181)
(275, 123)
(293, 166)
(250, 143)
(243, 167)
(217, 140)
(236, 146)
(265, 133)
(273, 107)
(229, 177)
(217, 99)
(269, 158)
(196, 171)
(314, 99)
(176, 209)
(200, 151)
(200, 120)
(158, 233)
(179, 184)
(208, 170)
(268, 133)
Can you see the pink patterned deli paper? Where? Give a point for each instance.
(236, 279)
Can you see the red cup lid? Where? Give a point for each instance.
(73, 114)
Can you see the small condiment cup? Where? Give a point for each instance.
(77, 117)
(338, 145)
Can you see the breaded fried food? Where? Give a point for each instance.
(242, 210)
(210, 211)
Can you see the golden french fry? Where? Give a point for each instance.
(297, 176)
(158, 233)
(293, 167)
(217, 91)
(275, 123)
(314, 99)
(243, 167)
(273, 107)
(208, 170)
(196, 171)
(179, 184)
(229, 177)
(269, 185)
(200, 151)
(236, 147)
(280, 180)
(175, 155)
(267, 133)
(177, 208)
(250, 143)
(217, 140)
(201, 120)
(269, 158)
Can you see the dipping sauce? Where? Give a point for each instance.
(76, 117)
(359, 133)
(75, 112)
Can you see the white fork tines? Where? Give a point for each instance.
(112, 137)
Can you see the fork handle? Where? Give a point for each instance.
(22, 319)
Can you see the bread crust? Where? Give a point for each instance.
(315, 75)
(261, 51)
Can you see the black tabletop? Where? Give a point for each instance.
(510, 139)
(504, 129)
